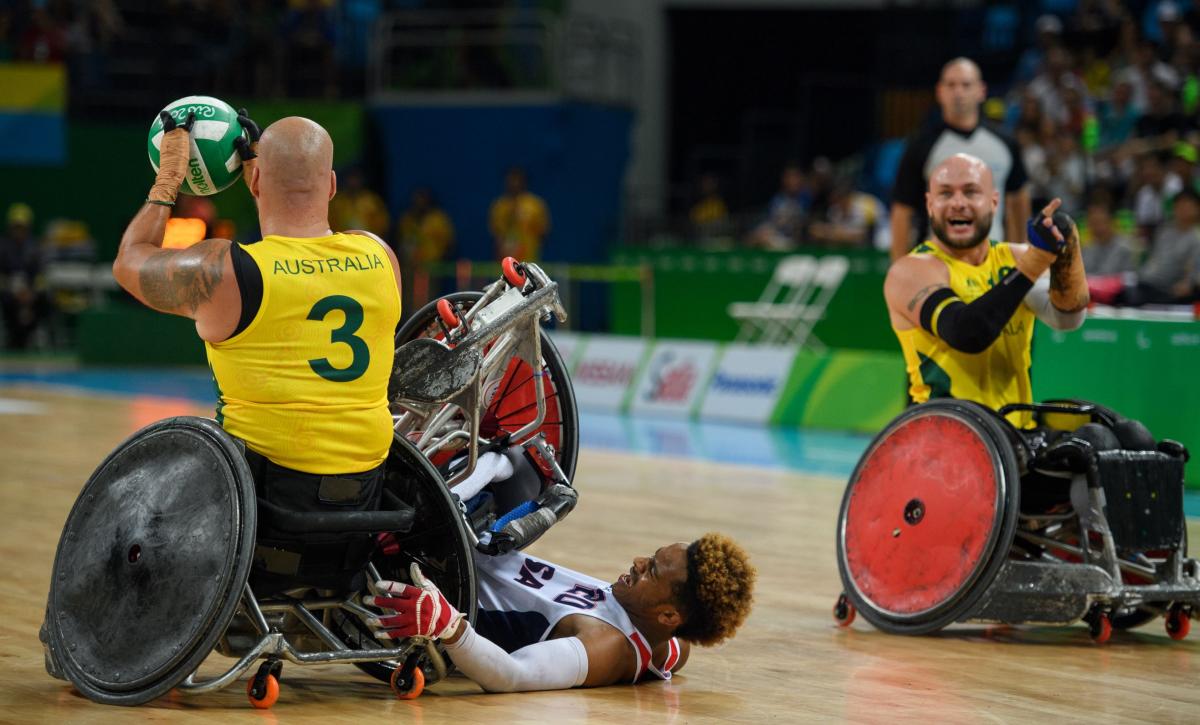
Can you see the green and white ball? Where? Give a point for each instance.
(214, 163)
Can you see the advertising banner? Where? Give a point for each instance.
(747, 383)
(605, 370)
(674, 377)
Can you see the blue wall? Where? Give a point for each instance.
(575, 156)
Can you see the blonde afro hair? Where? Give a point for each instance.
(718, 592)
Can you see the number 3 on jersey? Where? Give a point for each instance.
(345, 335)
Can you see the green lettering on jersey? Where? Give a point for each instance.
(345, 335)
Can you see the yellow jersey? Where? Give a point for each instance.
(995, 377)
(305, 383)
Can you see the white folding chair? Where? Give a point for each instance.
(831, 271)
(765, 319)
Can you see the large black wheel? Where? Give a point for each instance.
(510, 394)
(928, 516)
(437, 542)
(152, 561)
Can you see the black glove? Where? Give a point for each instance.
(1044, 238)
(245, 144)
(169, 123)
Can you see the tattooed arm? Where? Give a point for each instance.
(909, 282)
(1068, 280)
(196, 282)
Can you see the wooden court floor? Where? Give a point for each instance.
(789, 664)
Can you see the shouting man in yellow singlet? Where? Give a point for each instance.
(298, 327)
(963, 305)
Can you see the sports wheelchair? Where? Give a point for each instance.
(954, 515)
(170, 553)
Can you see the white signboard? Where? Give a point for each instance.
(747, 383)
(674, 377)
(605, 370)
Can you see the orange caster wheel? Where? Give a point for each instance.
(514, 272)
(844, 612)
(1100, 627)
(408, 687)
(1179, 622)
(447, 314)
(263, 690)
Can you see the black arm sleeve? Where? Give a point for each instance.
(971, 328)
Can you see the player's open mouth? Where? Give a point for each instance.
(960, 224)
(626, 580)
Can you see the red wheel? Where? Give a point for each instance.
(265, 694)
(923, 515)
(1100, 628)
(1179, 622)
(844, 611)
(408, 688)
(509, 394)
(447, 313)
(514, 274)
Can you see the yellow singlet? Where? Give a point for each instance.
(995, 377)
(305, 384)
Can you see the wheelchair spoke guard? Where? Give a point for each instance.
(928, 516)
(152, 561)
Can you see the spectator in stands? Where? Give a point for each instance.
(254, 66)
(1162, 124)
(960, 91)
(519, 219)
(709, 216)
(1168, 274)
(22, 284)
(1152, 190)
(786, 212)
(1117, 116)
(1144, 70)
(309, 33)
(1182, 164)
(1067, 170)
(426, 232)
(355, 206)
(1053, 85)
(1049, 34)
(853, 219)
(1106, 251)
(44, 39)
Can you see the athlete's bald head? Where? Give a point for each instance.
(961, 201)
(295, 157)
(962, 167)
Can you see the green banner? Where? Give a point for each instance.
(692, 291)
(843, 390)
(1143, 369)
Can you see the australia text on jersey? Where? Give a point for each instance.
(356, 263)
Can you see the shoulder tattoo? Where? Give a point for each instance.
(183, 281)
(922, 293)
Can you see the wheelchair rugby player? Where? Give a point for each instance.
(180, 530)
(975, 503)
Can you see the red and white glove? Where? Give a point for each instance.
(415, 611)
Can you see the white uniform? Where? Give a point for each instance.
(522, 598)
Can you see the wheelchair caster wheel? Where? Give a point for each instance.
(263, 688)
(408, 686)
(844, 611)
(514, 272)
(1100, 627)
(1179, 622)
(447, 314)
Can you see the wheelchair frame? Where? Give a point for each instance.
(1032, 576)
(508, 317)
